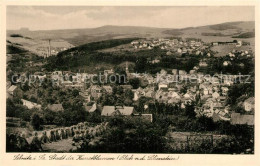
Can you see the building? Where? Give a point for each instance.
(12, 90)
(182, 72)
(91, 108)
(108, 89)
(238, 119)
(203, 64)
(86, 95)
(226, 63)
(249, 104)
(174, 71)
(55, 107)
(31, 105)
(96, 92)
(109, 111)
(162, 85)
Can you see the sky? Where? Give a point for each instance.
(73, 17)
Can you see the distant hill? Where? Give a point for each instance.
(76, 37)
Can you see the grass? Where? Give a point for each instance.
(64, 145)
(223, 50)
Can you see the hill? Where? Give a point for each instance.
(67, 38)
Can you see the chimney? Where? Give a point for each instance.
(49, 47)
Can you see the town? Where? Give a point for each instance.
(80, 100)
(77, 82)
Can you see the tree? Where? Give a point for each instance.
(189, 110)
(135, 82)
(75, 92)
(36, 121)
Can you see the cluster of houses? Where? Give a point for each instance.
(45, 52)
(172, 45)
(210, 93)
(234, 42)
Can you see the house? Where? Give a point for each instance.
(67, 83)
(150, 94)
(91, 108)
(215, 95)
(138, 93)
(228, 81)
(205, 91)
(249, 104)
(173, 94)
(192, 71)
(179, 50)
(162, 85)
(184, 50)
(108, 89)
(109, 111)
(12, 90)
(231, 55)
(135, 42)
(198, 52)
(226, 63)
(237, 118)
(95, 91)
(182, 72)
(203, 64)
(57, 73)
(224, 90)
(55, 107)
(168, 53)
(86, 95)
(163, 72)
(174, 100)
(174, 71)
(155, 61)
(30, 104)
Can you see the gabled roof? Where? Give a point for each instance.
(111, 110)
(91, 108)
(250, 100)
(55, 107)
(12, 88)
(236, 118)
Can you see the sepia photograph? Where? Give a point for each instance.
(130, 79)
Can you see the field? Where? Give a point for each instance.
(223, 50)
(60, 146)
(38, 46)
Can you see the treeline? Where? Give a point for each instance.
(16, 35)
(245, 35)
(11, 49)
(99, 45)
